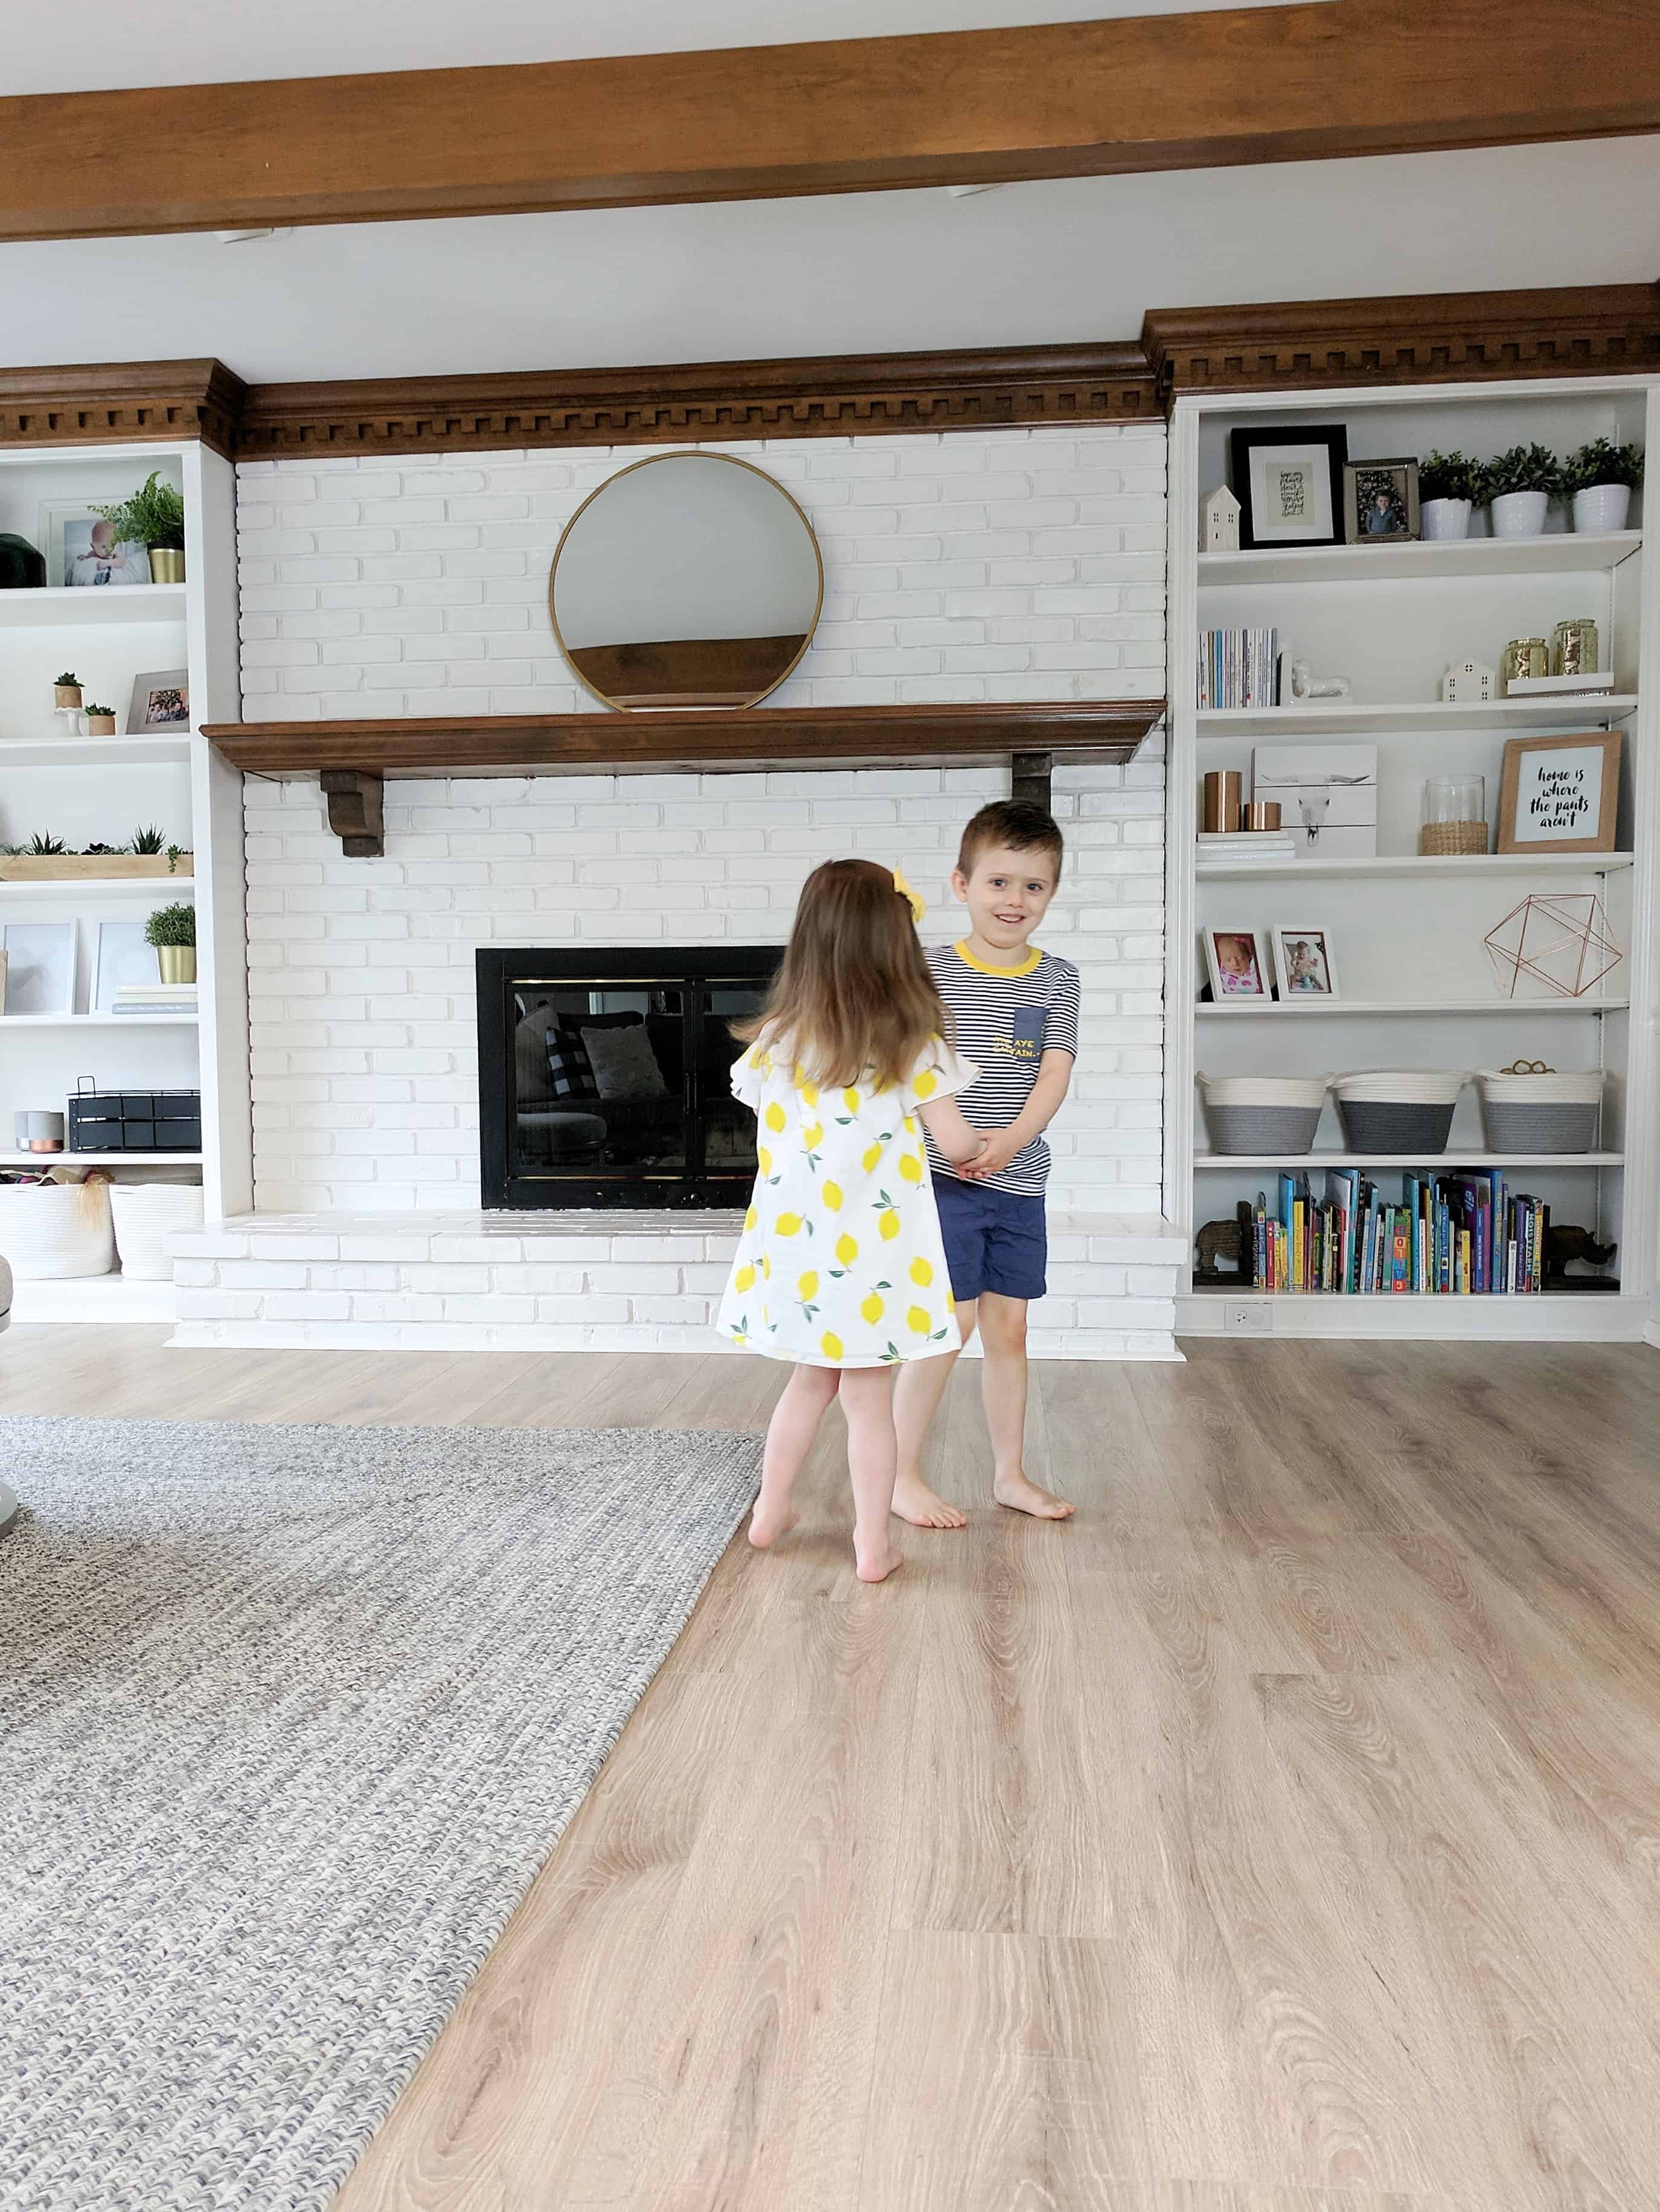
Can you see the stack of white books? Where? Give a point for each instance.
(1273, 846)
(154, 999)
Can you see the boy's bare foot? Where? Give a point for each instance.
(1021, 1496)
(876, 1564)
(915, 1502)
(764, 1530)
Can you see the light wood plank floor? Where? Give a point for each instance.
(1282, 1835)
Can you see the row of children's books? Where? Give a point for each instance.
(1459, 1234)
(1238, 668)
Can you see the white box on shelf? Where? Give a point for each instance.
(1328, 796)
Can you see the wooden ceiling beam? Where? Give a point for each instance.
(1201, 90)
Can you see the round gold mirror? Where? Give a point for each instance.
(691, 580)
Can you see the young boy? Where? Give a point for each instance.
(1016, 1011)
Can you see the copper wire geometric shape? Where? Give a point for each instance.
(1562, 940)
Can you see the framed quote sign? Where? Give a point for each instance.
(1560, 795)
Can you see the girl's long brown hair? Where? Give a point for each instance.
(854, 996)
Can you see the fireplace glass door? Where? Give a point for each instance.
(604, 1079)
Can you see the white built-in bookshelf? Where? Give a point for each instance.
(88, 790)
(1418, 989)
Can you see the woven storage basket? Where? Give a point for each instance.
(49, 1230)
(1544, 1113)
(146, 1214)
(1262, 1114)
(1398, 1110)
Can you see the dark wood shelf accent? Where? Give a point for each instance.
(354, 758)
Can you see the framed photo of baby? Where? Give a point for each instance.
(1306, 968)
(1237, 960)
(83, 549)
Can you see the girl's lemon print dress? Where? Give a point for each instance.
(841, 1263)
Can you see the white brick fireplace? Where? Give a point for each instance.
(1015, 566)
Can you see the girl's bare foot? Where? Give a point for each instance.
(766, 1528)
(1021, 1496)
(877, 1563)
(915, 1502)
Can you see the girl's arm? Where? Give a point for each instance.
(1049, 1095)
(957, 1138)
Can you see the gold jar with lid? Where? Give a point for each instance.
(1524, 656)
(1574, 646)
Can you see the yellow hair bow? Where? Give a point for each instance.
(917, 909)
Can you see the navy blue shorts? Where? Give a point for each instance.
(995, 1239)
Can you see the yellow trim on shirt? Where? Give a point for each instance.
(985, 967)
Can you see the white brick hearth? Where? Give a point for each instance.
(589, 1282)
(1018, 566)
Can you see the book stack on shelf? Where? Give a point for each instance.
(154, 999)
(1238, 668)
(1270, 848)
(1461, 1235)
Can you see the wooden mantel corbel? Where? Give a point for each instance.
(356, 801)
(354, 758)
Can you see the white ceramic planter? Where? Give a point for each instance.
(1601, 508)
(1519, 514)
(1445, 518)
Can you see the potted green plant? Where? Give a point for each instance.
(1602, 478)
(154, 518)
(1449, 485)
(66, 692)
(100, 722)
(172, 931)
(1517, 486)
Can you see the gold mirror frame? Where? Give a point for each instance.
(681, 454)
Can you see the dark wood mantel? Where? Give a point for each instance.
(354, 758)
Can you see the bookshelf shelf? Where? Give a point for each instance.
(1560, 553)
(1356, 718)
(98, 1022)
(82, 607)
(170, 752)
(1444, 1164)
(101, 1159)
(1277, 1010)
(1471, 866)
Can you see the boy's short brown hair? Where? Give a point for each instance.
(1019, 824)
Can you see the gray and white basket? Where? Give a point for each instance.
(1398, 1110)
(1543, 1113)
(1262, 1115)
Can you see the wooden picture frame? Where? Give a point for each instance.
(1394, 482)
(1305, 963)
(1555, 788)
(1230, 984)
(1317, 451)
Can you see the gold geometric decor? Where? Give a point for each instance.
(1563, 941)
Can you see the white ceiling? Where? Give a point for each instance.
(104, 45)
(874, 272)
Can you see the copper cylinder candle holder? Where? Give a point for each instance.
(1260, 814)
(1225, 790)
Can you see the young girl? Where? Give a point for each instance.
(841, 1267)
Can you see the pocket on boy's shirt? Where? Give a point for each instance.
(1028, 1027)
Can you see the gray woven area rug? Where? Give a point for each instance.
(289, 1717)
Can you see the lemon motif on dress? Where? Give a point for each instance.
(846, 1248)
(911, 1168)
(851, 1099)
(809, 1091)
(763, 1159)
(872, 1157)
(814, 1135)
(744, 1279)
(925, 1083)
(830, 1345)
(872, 1309)
(921, 1272)
(788, 1224)
(833, 1196)
(920, 1321)
(749, 1221)
(773, 1117)
(890, 1226)
(808, 1284)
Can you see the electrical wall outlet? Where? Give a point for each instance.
(1253, 1317)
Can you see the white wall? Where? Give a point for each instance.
(1025, 565)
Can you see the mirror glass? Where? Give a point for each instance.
(691, 580)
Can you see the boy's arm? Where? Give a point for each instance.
(1048, 1097)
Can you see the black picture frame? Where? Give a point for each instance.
(1329, 440)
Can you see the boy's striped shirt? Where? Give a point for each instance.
(1006, 1019)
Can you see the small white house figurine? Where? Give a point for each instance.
(1220, 533)
(1468, 683)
